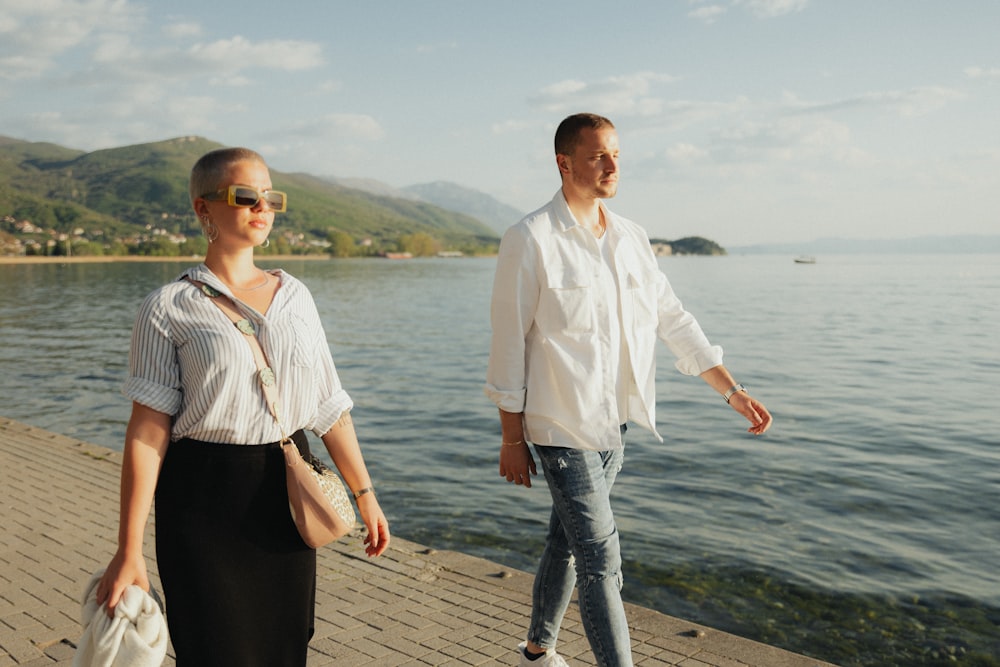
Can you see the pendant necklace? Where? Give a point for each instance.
(255, 287)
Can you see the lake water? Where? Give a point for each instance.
(863, 528)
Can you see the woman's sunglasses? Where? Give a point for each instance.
(243, 196)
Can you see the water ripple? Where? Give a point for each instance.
(873, 498)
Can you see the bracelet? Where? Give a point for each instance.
(733, 390)
(363, 491)
(512, 444)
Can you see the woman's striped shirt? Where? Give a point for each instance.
(189, 361)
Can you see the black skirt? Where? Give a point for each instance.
(239, 583)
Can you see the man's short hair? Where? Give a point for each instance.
(211, 168)
(568, 132)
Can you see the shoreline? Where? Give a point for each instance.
(93, 259)
(414, 604)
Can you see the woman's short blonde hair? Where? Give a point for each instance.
(210, 169)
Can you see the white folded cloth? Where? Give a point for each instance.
(135, 637)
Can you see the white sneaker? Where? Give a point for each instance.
(550, 659)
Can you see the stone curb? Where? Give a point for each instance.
(412, 606)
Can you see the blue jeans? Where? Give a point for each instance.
(582, 550)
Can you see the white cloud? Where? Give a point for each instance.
(625, 95)
(800, 141)
(330, 145)
(511, 126)
(917, 101)
(21, 67)
(339, 127)
(680, 114)
(182, 30)
(708, 14)
(34, 33)
(329, 86)
(923, 100)
(86, 65)
(686, 153)
(562, 88)
(360, 126)
(982, 72)
(772, 8)
(113, 47)
(239, 53)
(133, 114)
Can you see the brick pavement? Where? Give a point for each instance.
(412, 606)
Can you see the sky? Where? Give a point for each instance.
(742, 121)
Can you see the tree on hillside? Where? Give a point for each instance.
(158, 246)
(341, 244)
(420, 244)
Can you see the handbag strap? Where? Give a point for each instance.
(265, 375)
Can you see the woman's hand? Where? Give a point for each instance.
(146, 440)
(377, 539)
(341, 442)
(122, 572)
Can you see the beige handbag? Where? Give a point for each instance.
(320, 507)
(317, 499)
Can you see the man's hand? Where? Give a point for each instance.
(755, 412)
(517, 464)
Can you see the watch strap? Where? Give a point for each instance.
(734, 389)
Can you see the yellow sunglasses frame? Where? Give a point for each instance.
(229, 196)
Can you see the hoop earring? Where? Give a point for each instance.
(210, 231)
(266, 243)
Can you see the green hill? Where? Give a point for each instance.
(692, 245)
(121, 197)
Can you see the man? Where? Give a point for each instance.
(578, 303)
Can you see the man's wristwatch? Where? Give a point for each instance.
(733, 390)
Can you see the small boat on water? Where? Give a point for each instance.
(805, 259)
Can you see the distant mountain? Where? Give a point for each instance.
(923, 245)
(374, 186)
(479, 205)
(142, 187)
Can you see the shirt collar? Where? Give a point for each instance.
(568, 221)
(203, 274)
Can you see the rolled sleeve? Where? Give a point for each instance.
(508, 401)
(154, 372)
(152, 395)
(330, 411)
(700, 361)
(333, 400)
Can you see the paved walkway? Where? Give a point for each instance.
(412, 606)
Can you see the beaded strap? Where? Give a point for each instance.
(265, 374)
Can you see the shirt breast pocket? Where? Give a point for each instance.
(643, 288)
(302, 351)
(567, 302)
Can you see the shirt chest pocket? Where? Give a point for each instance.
(641, 292)
(292, 337)
(567, 303)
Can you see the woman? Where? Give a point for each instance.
(239, 583)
